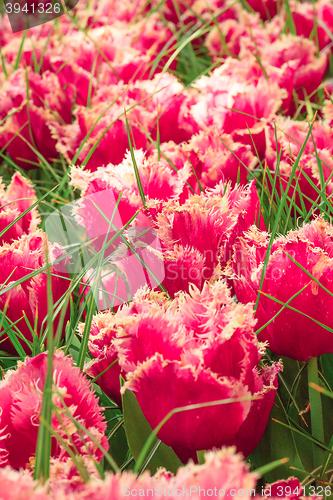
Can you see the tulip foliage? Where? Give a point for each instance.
(166, 251)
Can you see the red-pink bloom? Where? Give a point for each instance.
(291, 135)
(302, 53)
(17, 485)
(206, 327)
(290, 488)
(159, 182)
(110, 11)
(291, 333)
(266, 8)
(114, 53)
(167, 102)
(163, 103)
(304, 15)
(18, 260)
(287, 60)
(246, 31)
(109, 133)
(21, 393)
(14, 200)
(222, 471)
(187, 242)
(33, 47)
(77, 80)
(31, 117)
(64, 474)
(189, 11)
(214, 158)
(103, 333)
(236, 107)
(197, 236)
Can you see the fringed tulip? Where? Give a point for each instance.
(21, 393)
(197, 236)
(17, 485)
(31, 117)
(222, 473)
(222, 330)
(290, 136)
(305, 18)
(28, 298)
(163, 107)
(177, 350)
(234, 106)
(213, 158)
(14, 200)
(300, 333)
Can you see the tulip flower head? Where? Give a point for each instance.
(21, 394)
(299, 333)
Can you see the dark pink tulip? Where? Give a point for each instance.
(197, 236)
(291, 333)
(47, 103)
(309, 69)
(182, 365)
(164, 101)
(103, 334)
(189, 11)
(14, 200)
(291, 136)
(304, 16)
(291, 488)
(186, 385)
(17, 260)
(213, 157)
(188, 242)
(111, 11)
(21, 393)
(233, 106)
(237, 33)
(266, 8)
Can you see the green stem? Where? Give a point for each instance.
(316, 411)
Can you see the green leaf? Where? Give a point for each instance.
(326, 362)
(74, 350)
(272, 466)
(277, 443)
(118, 446)
(137, 432)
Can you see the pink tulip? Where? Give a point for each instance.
(18, 485)
(233, 106)
(47, 103)
(17, 260)
(213, 157)
(291, 333)
(173, 349)
(14, 200)
(21, 393)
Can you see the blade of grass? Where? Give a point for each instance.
(43, 448)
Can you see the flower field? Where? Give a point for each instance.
(166, 251)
